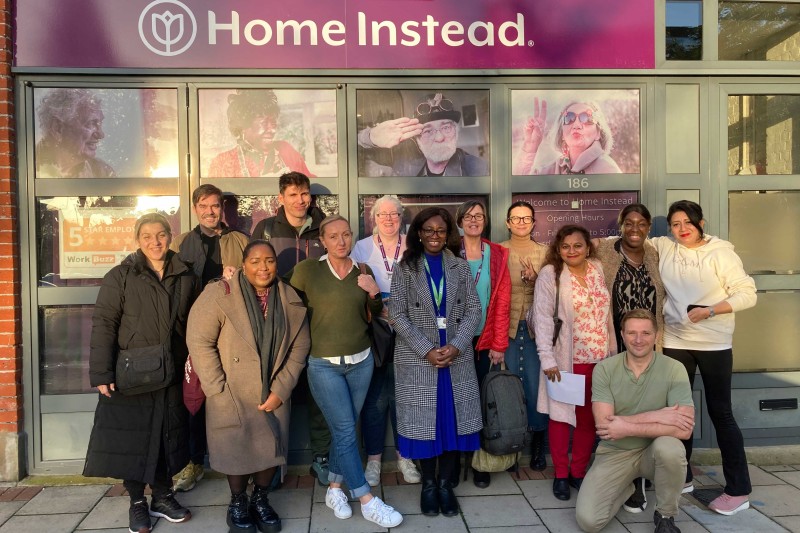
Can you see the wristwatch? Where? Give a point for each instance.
(711, 313)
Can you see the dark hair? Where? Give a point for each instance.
(634, 208)
(247, 104)
(466, 207)
(298, 179)
(692, 210)
(520, 203)
(151, 218)
(641, 314)
(414, 248)
(553, 256)
(206, 190)
(257, 242)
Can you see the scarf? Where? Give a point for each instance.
(268, 331)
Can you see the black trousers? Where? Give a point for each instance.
(716, 368)
(160, 486)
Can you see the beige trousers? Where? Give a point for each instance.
(609, 482)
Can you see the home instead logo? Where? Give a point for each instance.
(167, 27)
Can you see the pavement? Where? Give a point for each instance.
(512, 503)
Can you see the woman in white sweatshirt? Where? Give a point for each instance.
(706, 284)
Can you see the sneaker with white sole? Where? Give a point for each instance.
(337, 500)
(409, 470)
(379, 513)
(728, 505)
(188, 477)
(637, 502)
(372, 473)
(687, 487)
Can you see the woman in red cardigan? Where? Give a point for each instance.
(488, 263)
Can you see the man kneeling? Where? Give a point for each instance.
(642, 405)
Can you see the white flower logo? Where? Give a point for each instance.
(166, 33)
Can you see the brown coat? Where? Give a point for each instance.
(242, 439)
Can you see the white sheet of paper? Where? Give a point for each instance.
(571, 389)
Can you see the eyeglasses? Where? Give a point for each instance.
(435, 104)
(388, 216)
(640, 225)
(430, 232)
(447, 129)
(477, 218)
(520, 220)
(584, 118)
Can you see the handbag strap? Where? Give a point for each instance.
(363, 268)
(555, 309)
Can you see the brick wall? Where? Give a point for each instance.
(11, 416)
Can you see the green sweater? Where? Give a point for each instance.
(336, 308)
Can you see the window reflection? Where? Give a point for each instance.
(757, 220)
(763, 134)
(759, 31)
(684, 30)
(242, 212)
(64, 333)
(763, 334)
(412, 204)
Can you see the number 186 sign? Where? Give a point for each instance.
(94, 241)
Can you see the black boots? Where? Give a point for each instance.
(238, 516)
(447, 498)
(538, 461)
(262, 513)
(429, 500)
(561, 488)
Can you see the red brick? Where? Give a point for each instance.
(116, 490)
(28, 493)
(10, 416)
(305, 482)
(10, 390)
(289, 482)
(10, 494)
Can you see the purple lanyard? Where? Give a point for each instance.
(464, 257)
(383, 253)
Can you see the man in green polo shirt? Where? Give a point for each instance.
(642, 405)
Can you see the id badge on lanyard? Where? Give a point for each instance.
(441, 322)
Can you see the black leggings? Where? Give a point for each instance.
(238, 483)
(716, 368)
(161, 485)
(447, 465)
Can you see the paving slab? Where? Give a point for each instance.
(426, 524)
(757, 475)
(776, 500)
(791, 523)
(9, 508)
(488, 511)
(539, 494)
(646, 516)
(685, 527)
(404, 498)
(51, 523)
(64, 500)
(109, 512)
(206, 492)
(291, 503)
(749, 520)
(778, 468)
(323, 520)
(502, 483)
(294, 525)
(563, 521)
(514, 529)
(205, 519)
(793, 477)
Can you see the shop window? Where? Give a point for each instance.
(764, 337)
(106, 133)
(80, 238)
(242, 212)
(763, 134)
(64, 334)
(684, 30)
(596, 211)
(759, 31)
(450, 139)
(575, 132)
(757, 221)
(412, 205)
(260, 132)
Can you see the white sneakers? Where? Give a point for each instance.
(375, 511)
(379, 513)
(372, 473)
(409, 470)
(337, 500)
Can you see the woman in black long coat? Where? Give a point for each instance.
(142, 438)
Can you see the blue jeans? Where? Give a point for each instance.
(522, 358)
(340, 391)
(379, 401)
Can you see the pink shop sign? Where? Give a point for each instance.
(335, 34)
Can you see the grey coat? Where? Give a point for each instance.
(411, 312)
(242, 439)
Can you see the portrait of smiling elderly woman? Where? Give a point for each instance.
(579, 142)
(425, 145)
(71, 122)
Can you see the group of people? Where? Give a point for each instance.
(298, 296)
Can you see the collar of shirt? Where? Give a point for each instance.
(325, 258)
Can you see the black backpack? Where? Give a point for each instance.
(505, 416)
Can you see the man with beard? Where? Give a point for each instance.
(425, 145)
(212, 249)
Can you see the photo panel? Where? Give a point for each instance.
(567, 131)
(242, 212)
(262, 132)
(106, 133)
(423, 132)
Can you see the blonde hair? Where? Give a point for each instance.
(329, 220)
(151, 218)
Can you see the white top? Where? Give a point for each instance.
(366, 251)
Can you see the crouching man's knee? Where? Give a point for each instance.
(669, 450)
(590, 519)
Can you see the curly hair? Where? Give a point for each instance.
(246, 104)
(64, 106)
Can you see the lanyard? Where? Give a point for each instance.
(437, 294)
(464, 257)
(383, 253)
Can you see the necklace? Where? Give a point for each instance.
(629, 260)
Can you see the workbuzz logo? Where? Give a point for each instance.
(167, 27)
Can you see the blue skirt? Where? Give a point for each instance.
(447, 437)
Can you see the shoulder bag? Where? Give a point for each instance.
(557, 322)
(381, 335)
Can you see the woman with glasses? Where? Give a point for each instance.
(488, 264)
(525, 260)
(381, 251)
(571, 286)
(435, 310)
(579, 142)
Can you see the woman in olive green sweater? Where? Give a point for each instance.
(340, 367)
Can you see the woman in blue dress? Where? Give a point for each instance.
(435, 310)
